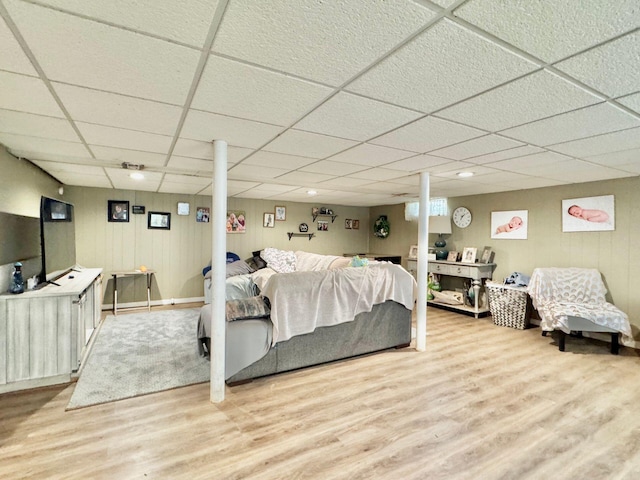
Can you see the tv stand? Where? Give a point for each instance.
(45, 332)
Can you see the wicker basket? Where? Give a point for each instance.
(510, 306)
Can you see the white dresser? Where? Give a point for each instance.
(45, 332)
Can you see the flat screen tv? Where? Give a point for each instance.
(58, 239)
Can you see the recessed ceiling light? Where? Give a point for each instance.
(311, 192)
(465, 174)
(137, 176)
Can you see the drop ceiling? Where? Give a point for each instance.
(351, 99)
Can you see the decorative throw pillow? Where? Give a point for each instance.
(246, 308)
(282, 261)
(239, 267)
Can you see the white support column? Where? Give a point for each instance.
(218, 271)
(423, 250)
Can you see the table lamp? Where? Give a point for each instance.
(441, 225)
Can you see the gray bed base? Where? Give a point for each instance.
(388, 325)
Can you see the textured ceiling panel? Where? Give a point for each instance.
(27, 94)
(504, 154)
(427, 134)
(419, 163)
(616, 159)
(534, 26)
(356, 118)
(476, 146)
(235, 131)
(631, 101)
(104, 57)
(613, 69)
(415, 76)
(352, 34)
(121, 179)
(185, 22)
(255, 172)
(324, 166)
(533, 97)
(278, 160)
(372, 155)
(585, 122)
(294, 142)
(37, 126)
(35, 145)
(610, 142)
(204, 150)
(120, 138)
(244, 91)
(112, 155)
(12, 57)
(87, 105)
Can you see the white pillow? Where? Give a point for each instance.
(282, 261)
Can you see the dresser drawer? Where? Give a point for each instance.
(460, 271)
(439, 268)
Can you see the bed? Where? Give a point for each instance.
(312, 309)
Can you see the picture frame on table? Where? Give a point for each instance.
(281, 213)
(413, 252)
(159, 221)
(487, 255)
(469, 255)
(452, 256)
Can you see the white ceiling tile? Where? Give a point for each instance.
(119, 155)
(631, 101)
(186, 22)
(273, 188)
(206, 126)
(351, 34)
(232, 88)
(414, 76)
(204, 150)
(616, 159)
(580, 171)
(613, 68)
(505, 154)
(376, 174)
(476, 147)
(413, 179)
(37, 125)
(305, 178)
(255, 172)
(585, 122)
(371, 155)
(305, 144)
(121, 179)
(530, 163)
(60, 167)
(330, 166)
(12, 57)
(388, 187)
(443, 3)
(34, 145)
(101, 135)
(186, 164)
(539, 95)
(552, 29)
(27, 94)
(610, 142)
(278, 160)
(181, 188)
(106, 58)
(84, 180)
(420, 163)
(427, 134)
(346, 182)
(103, 108)
(354, 117)
(236, 186)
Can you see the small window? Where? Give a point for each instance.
(437, 206)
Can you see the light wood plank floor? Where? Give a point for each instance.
(484, 402)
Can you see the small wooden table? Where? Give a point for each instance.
(131, 273)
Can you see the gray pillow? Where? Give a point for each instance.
(239, 267)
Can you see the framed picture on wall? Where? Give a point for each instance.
(268, 220)
(159, 220)
(355, 224)
(117, 211)
(588, 214)
(236, 221)
(202, 214)
(281, 214)
(511, 224)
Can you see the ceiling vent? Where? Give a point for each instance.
(132, 166)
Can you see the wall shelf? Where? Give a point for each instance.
(294, 234)
(333, 216)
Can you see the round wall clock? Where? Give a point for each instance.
(462, 217)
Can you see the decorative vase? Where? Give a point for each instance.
(17, 282)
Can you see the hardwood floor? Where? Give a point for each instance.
(483, 402)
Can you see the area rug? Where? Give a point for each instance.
(140, 353)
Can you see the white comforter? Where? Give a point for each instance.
(304, 300)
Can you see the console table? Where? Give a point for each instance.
(477, 272)
(131, 273)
